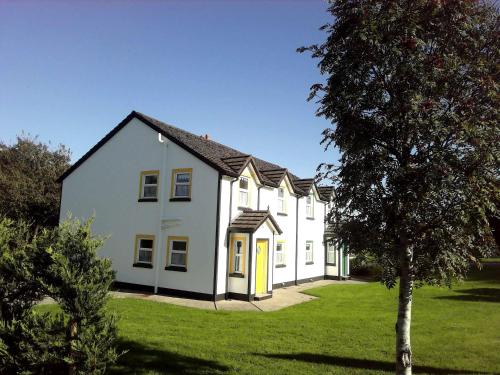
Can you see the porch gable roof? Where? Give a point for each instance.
(251, 220)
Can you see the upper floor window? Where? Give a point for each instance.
(281, 200)
(309, 252)
(148, 188)
(177, 253)
(244, 201)
(310, 206)
(144, 245)
(280, 254)
(181, 183)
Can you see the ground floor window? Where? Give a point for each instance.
(331, 252)
(177, 250)
(309, 252)
(280, 260)
(237, 256)
(144, 245)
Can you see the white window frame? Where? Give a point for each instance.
(144, 175)
(281, 201)
(238, 257)
(280, 255)
(244, 191)
(310, 206)
(138, 240)
(331, 251)
(175, 183)
(171, 240)
(309, 254)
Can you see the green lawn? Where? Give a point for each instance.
(348, 330)
(490, 260)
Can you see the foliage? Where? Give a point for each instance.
(19, 289)
(61, 263)
(412, 93)
(28, 173)
(365, 266)
(79, 281)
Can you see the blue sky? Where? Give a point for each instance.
(70, 71)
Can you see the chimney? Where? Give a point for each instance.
(206, 137)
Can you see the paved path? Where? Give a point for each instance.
(282, 298)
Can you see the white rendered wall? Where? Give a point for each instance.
(287, 223)
(311, 230)
(240, 284)
(107, 185)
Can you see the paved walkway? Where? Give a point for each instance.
(282, 298)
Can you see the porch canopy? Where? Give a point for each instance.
(251, 220)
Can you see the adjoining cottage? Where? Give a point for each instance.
(190, 217)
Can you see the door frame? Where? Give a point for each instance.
(267, 265)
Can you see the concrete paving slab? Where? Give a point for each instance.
(282, 298)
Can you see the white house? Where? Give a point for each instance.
(191, 217)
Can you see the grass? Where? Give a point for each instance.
(348, 330)
(490, 260)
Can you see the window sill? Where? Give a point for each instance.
(310, 218)
(281, 214)
(148, 200)
(242, 208)
(331, 264)
(280, 266)
(176, 268)
(309, 263)
(179, 199)
(142, 265)
(239, 275)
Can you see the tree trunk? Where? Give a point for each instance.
(403, 346)
(72, 334)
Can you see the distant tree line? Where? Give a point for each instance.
(29, 189)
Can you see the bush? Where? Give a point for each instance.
(365, 266)
(61, 263)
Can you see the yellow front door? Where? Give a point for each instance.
(261, 261)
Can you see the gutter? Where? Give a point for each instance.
(228, 234)
(217, 229)
(296, 238)
(162, 208)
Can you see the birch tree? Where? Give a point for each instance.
(411, 91)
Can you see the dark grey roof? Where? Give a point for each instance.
(251, 220)
(304, 184)
(329, 231)
(225, 159)
(325, 192)
(274, 175)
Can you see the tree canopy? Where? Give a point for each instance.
(28, 173)
(411, 91)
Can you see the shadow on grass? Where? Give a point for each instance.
(363, 364)
(489, 273)
(141, 359)
(475, 295)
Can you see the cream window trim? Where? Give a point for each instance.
(237, 258)
(244, 193)
(146, 183)
(176, 182)
(171, 251)
(141, 250)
